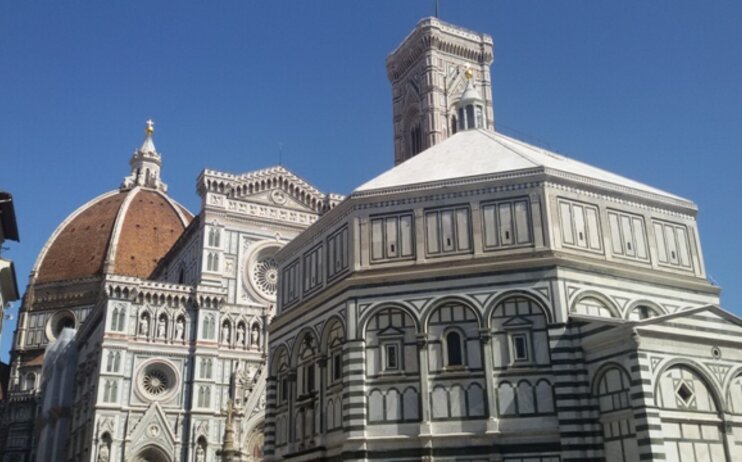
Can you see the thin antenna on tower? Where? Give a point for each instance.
(437, 8)
(280, 153)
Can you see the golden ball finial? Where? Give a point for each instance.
(150, 128)
(468, 74)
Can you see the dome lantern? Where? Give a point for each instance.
(145, 164)
(470, 107)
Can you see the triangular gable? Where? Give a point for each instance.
(517, 322)
(713, 311)
(709, 321)
(153, 427)
(391, 330)
(297, 190)
(272, 186)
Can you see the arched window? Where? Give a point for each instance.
(306, 370)
(206, 368)
(454, 125)
(30, 381)
(390, 331)
(204, 396)
(121, 319)
(454, 353)
(643, 312)
(110, 391)
(208, 328)
(334, 348)
(457, 327)
(212, 262)
(280, 371)
(115, 319)
(214, 237)
(114, 361)
(592, 306)
(614, 401)
(682, 389)
(520, 336)
(734, 396)
(415, 139)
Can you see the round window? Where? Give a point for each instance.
(66, 322)
(265, 275)
(716, 352)
(262, 271)
(58, 322)
(157, 380)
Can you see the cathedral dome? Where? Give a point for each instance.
(125, 232)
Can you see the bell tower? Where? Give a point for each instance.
(428, 72)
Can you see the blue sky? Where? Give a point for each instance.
(650, 90)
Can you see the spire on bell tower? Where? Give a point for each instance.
(427, 72)
(145, 164)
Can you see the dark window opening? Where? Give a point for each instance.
(470, 116)
(284, 389)
(520, 348)
(453, 348)
(685, 393)
(416, 139)
(310, 379)
(392, 359)
(337, 367)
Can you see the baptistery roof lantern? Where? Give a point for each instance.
(470, 107)
(145, 164)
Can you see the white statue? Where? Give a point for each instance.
(200, 456)
(144, 325)
(161, 328)
(255, 336)
(104, 453)
(179, 329)
(241, 335)
(225, 333)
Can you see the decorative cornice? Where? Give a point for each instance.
(237, 186)
(262, 211)
(432, 33)
(618, 200)
(163, 293)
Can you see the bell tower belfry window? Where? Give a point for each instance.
(427, 72)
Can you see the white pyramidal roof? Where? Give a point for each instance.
(474, 153)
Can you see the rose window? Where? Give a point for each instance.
(157, 380)
(265, 276)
